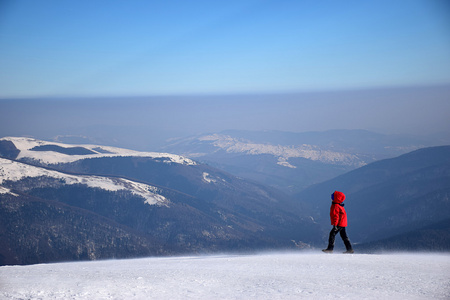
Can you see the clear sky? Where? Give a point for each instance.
(121, 48)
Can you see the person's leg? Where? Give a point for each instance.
(346, 240)
(332, 238)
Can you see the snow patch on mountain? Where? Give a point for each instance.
(4, 190)
(284, 153)
(26, 146)
(284, 162)
(15, 171)
(207, 178)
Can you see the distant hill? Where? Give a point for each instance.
(389, 197)
(435, 237)
(293, 161)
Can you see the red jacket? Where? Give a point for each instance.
(338, 215)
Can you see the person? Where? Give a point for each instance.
(338, 217)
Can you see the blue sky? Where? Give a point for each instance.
(120, 48)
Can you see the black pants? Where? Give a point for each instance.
(344, 237)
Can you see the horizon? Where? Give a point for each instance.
(143, 123)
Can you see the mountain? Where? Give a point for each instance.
(34, 230)
(390, 197)
(293, 161)
(61, 202)
(162, 203)
(435, 237)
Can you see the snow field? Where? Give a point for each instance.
(265, 276)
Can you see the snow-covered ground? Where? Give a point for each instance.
(265, 276)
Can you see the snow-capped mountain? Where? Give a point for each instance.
(44, 152)
(283, 153)
(77, 202)
(171, 202)
(293, 161)
(13, 171)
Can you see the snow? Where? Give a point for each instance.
(4, 190)
(283, 162)
(51, 157)
(311, 152)
(207, 178)
(15, 171)
(265, 276)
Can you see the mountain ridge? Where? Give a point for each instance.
(391, 196)
(293, 161)
(205, 209)
(201, 209)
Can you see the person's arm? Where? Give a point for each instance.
(334, 215)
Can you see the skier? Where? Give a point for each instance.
(338, 218)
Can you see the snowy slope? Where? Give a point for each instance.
(35, 150)
(283, 153)
(15, 171)
(4, 190)
(286, 163)
(268, 276)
